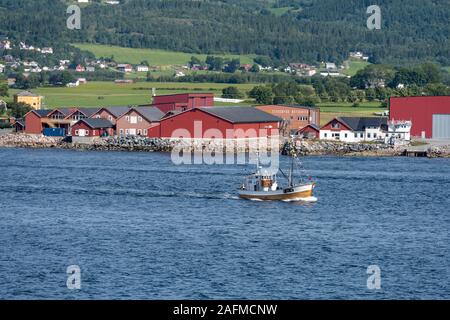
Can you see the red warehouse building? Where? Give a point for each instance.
(183, 101)
(294, 117)
(218, 122)
(430, 116)
(93, 128)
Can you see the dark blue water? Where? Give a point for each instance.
(140, 227)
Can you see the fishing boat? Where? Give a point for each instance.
(264, 185)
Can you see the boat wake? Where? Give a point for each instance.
(308, 199)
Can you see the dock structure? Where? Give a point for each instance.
(417, 151)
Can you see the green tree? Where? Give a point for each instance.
(437, 89)
(18, 110)
(232, 93)
(4, 90)
(232, 65)
(262, 94)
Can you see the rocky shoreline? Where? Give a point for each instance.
(140, 144)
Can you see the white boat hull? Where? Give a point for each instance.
(299, 192)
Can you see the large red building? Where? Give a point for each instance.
(183, 101)
(294, 117)
(217, 122)
(430, 116)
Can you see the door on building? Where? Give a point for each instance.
(441, 126)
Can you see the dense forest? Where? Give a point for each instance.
(412, 31)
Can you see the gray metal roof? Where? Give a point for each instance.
(97, 123)
(88, 111)
(150, 113)
(27, 94)
(361, 123)
(241, 114)
(118, 111)
(42, 112)
(66, 111)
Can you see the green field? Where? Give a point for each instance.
(354, 66)
(96, 94)
(328, 111)
(100, 94)
(155, 57)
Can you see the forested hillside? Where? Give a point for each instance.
(412, 31)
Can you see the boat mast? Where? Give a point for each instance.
(291, 172)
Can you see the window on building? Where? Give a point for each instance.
(356, 135)
(325, 135)
(346, 135)
(127, 118)
(87, 132)
(140, 119)
(97, 116)
(336, 125)
(368, 135)
(121, 132)
(77, 132)
(145, 132)
(110, 118)
(127, 131)
(361, 135)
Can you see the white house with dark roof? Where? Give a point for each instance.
(355, 129)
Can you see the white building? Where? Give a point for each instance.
(330, 66)
(6, 45)
(355, 129)
(142, 68)
(125, 68)
(47, 50)
(398, 130)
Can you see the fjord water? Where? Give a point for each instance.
(140, 227)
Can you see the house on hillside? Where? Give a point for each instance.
(126, 68)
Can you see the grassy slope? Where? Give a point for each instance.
(332, 110)
(109, 94)
(155, 57)
(355, 66)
